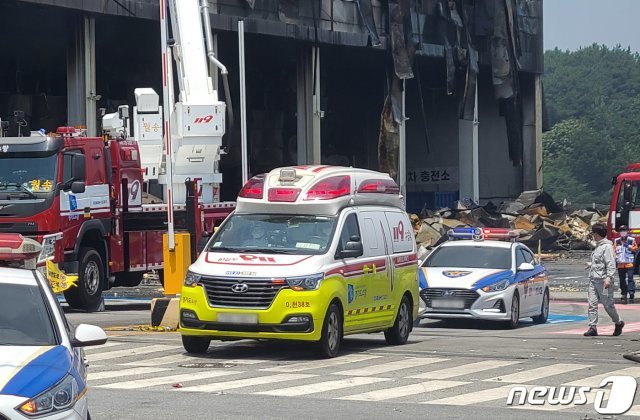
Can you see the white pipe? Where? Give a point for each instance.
(167, 87)
(475, 156)
(243, 105)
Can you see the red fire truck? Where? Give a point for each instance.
(82, 198)
(625, 204)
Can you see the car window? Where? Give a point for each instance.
(24, 317)
(520, 257)
(470, 256)
(528, 256)
(349, 229)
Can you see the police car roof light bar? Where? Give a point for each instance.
(499, 234)
(469, 233)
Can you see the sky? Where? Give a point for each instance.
(570, 24)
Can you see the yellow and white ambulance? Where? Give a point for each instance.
(311, 253)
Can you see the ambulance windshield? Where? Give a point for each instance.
(274, 233)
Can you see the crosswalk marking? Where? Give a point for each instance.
(164, 360)
(106, 345)
(96, 376)
(242, 383)
(318, 364)
(464, 369)
(410, 362)
(323, 386)
(469, 398)
(109, 355)
(538, 373)
(594, 381)
(163, 380)
(403, 391)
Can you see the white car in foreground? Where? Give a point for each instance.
(476, 277)
(42, 367)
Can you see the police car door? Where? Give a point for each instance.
(377, 266)
(525, 286)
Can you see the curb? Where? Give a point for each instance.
(165, 312)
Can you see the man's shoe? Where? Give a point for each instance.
(624, 300)
(591, 332)
(618, 330)
(631, 298)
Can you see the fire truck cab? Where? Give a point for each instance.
(311, 253)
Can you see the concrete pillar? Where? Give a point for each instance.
(81, 74)
(309, 113)
(76, 112)
(468, 156)
(532, 132)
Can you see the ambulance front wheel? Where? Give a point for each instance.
(399, 333)
(329, 344)
(195, 345)
(87, 294)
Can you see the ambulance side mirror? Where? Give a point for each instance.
(352, 249)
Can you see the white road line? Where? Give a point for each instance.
(165, 360)
(183, 359)
(163, 380)
(242, 383)
(323, 386)
(635, 411)
(594, 381)
(109, 355)
(567, 278)
(537, 373)
(491, 394)
(106, 345)
(410, 362)
(465, 369)
(403, 391)
(96, 376)
(318, 364)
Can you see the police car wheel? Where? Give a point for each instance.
(195, 345)
(399, 333)
(329, 344)
(544, 310)
(87, 294)
(515, 311)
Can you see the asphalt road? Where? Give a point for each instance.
(447, 370)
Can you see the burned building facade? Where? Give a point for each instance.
(445, 95)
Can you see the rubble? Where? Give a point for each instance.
(542, 224)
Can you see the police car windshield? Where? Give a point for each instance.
(274, 233)
(471, 256)
(24, 318)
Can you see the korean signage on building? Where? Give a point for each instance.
(432, 176)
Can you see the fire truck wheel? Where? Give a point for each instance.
(88, 294)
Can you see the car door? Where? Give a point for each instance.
(352, 273)
(377, 267)
(537, 281)
(528, 299)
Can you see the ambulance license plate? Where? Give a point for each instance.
(237, 318)
(447, 303)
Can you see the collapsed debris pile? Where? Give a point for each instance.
(541, 223)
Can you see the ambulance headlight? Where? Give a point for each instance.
(497, 287)
(191, 279)
(62, 396)
(311, 282)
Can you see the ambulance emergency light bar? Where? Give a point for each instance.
(15, 249)
(325, 189)
(479, 234)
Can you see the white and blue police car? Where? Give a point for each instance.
(42, 365)
(480, 275)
